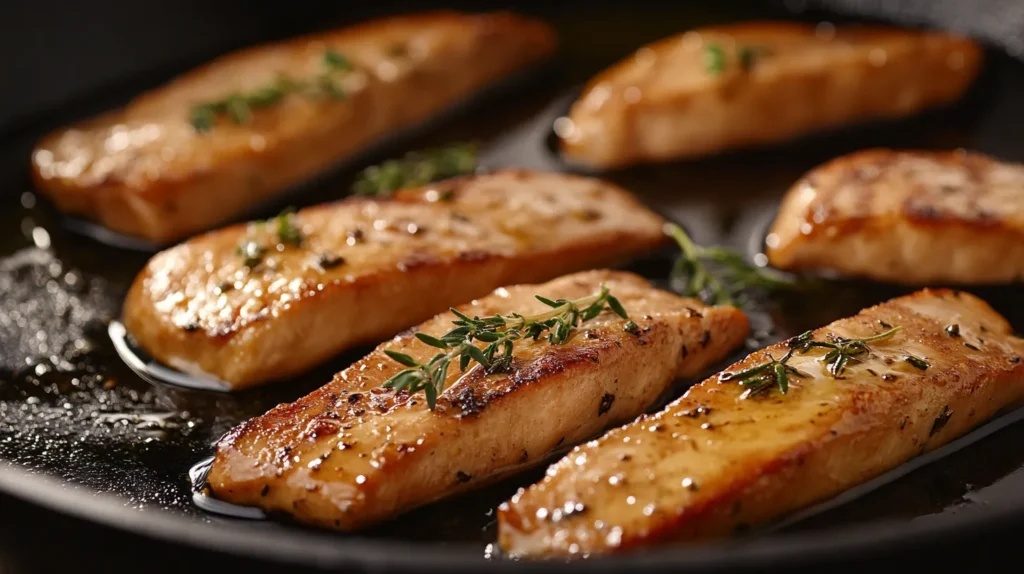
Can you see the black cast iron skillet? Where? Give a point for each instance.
(81, 434)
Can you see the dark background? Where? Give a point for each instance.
(61, 52)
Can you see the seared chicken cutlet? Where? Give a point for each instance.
(741, 85)
(353, 453)
(735, 450)
(208, 146)
(259, 302)
(912, 217)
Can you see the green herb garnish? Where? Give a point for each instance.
(239, 106)
(417, 168)
(760, 379)
(337, 61)
(499, 332)
(288, 232)
(714, 59)
(716, 275)
(842, 351)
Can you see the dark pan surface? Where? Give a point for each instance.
(81, 432)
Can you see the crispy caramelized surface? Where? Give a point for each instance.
(740, 85)
(352, 453)
(907, 217)
(198, 308)
(712, 461)
(143, 170)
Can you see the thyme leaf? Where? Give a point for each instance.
(714, 59)
(239, 106)
(719, 276)
(288, 232)
(841, 350)
(500, 333)
(760, 379)
(417, 168)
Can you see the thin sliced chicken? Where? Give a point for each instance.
(913, 217)
(145, 170)
(352, 453)
(742, 85)
(368, 268)
(714, 461)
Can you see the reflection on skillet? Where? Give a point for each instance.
(76, 412)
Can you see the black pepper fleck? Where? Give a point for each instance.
(953, 330)
(705, 339)
(941, 420)
(606, 403)
(462, 477)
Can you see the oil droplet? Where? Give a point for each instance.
(564, 128)
(360, 479)
(41, 238)
(631, 500)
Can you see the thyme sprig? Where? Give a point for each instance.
(841, 350)
(761, 378)
(719, 276)
(716, 60)
(499, 332)
(239, 106)
(417, 168)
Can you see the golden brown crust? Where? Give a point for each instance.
(663, 103)
(144, 171)
(913, 217)
(713, 461)
(198, 308)
(352, 453)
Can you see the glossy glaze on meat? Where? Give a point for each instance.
(145, 171)
(914, 217)
(713, 462)
(368, 268)
(742, 85)
(353, 453)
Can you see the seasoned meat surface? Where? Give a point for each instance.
(353, 453)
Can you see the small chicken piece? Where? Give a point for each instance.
(911, 217)
(743, 85)
(365, 269)
(718, 458)
(352, 453)
(172, 163)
